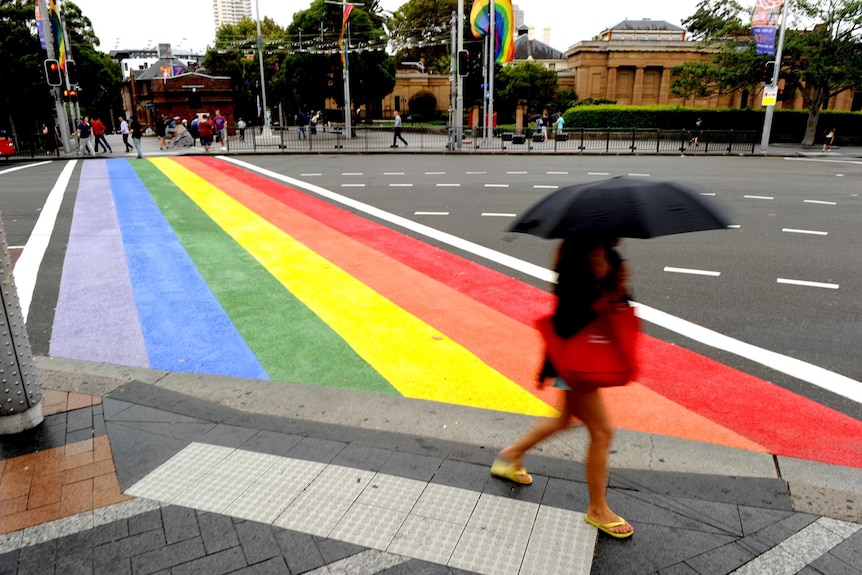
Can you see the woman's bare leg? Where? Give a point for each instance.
(589, 407)
(542, 430)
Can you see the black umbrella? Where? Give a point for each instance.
(622, 207)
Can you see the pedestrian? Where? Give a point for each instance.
(99, 130)
(137, 134)
(592, 282)
(828, 140)
(221, 129)
(240, 125)
(193, 130)
(161, 126)
(301, 123)
(396, 135)
(560, 123)
(697, 132)
(85, 135)
(124, 130)
(545, 122)
(206, 128)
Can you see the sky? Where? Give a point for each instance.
(188, 24)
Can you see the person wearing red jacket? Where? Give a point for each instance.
(206, 127)
(99, 130)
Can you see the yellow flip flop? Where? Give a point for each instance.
(606, 527)
(507, 470)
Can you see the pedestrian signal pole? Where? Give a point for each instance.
(59, 106)
(770, 108)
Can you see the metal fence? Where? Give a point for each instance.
(595, 141)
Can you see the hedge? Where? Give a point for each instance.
(788, 126)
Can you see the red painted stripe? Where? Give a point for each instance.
(783, 422)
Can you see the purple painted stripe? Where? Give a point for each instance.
(96, 317)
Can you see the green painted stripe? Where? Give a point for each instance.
(289, 340)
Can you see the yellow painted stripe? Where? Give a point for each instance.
(415, 358)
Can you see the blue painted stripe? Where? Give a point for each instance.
(184, 326)
(94, 273)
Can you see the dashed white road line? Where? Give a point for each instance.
(435, 173)
(821, 202)
(430, 213)
(811, 232)
(517, 172)
(691, 271)
(598, 173)
(557, 173)
(807, 283)
(497, 215)
(804, 371)
(475, 173)
(734, 226)
(352, 174)
(400, 185)
(635, 175)
(545, 187)
(759, 197)
(352, 185)
(707, 193)
(393, 173)
(448, 185)
(496, 185)
(311, 175)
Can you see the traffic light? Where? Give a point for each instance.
(463, 61)
(53, 74)
(71, 95)
(768, 72)
(72, 72)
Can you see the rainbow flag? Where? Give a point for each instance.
(504, 26)
(200, 265)
(58, 31)
(348, 8)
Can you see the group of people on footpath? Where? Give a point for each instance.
(90, 135)
(209, 129)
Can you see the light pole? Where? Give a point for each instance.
(266, 131)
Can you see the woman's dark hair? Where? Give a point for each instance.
(576, 287)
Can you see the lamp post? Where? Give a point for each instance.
(266, 131)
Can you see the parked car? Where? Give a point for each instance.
(7, 147)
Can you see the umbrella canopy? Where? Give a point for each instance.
(622, 207)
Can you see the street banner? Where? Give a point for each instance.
(770, 96)
(764, 24)
(764, 39)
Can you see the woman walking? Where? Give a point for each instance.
(593, 282)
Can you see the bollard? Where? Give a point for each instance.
(20, 395)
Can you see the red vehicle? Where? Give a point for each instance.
(7, 147)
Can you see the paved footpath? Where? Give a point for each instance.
(140, 471)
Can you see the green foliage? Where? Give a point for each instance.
(423, 103)
(658, 117)
(528, 81)
(565, 99)
(594, 102)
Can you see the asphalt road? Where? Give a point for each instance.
(787, 280)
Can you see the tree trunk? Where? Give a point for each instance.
(818, 96)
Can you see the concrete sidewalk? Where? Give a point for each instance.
(141, 471)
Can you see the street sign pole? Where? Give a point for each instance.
(767, 120)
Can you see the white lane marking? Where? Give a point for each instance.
(310, 175)
(812, 232)
(707, 193)
(634, 175)
(352, 174)
(430, 213)
(23, 167)
(759, 197)
(691, 271)
(475, 173)
(839, 175)
(598, 173)
(545, 187)
(435, 173)
(400, 185)
(822, 202)
(27, 267)
(448, 185)
(734, 226)
(393, 173)
(497, 215)
(557, 173)
(823, 160)
(352, 185)
(834, 382)
(807, 283)
(496, 185)
(518, 172)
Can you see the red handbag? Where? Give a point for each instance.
(603, 354)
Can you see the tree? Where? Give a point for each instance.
(526, 81)
(817, 64)
(825, 61)
(722, 30)
(420, 31)
(310, 74)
